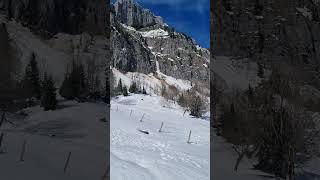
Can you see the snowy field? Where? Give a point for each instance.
(157, 155)
(50, 136)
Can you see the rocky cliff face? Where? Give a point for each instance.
(53, 16)
(277, 31)
(142, 42)
(276, 34)
(130, 13)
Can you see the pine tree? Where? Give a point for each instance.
(66, 89)
(48, 99)
(31, 81)
(196, 106)
(74, 84)
(107, 88)
(119, 88)
(260, 70)
(133, 88)
(9, 10)
(125, 91)
(144, 90)
(8, 91)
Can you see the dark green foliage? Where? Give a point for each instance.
(125, 91)
(66, 88)
(193, 102)
(133, 88)
(119, 87)
(144, 90)
(9, 10)
(196, 106)
(260, 71)
(48, 98)
(74, 85)
(107, 95)
(31, 81)
(8, 89)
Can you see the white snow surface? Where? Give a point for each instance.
(236, 74)
(50, 136)
(156, 33)
(130, 28)
(151, 83)
(157, 155)
(224, 159)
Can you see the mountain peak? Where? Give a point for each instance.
(129, 12)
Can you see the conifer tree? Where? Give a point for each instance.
(196, 106)
(31, 81)
(144, 90)
(107, 88)
(133, 88)
(48, 98)
(6, 67)
(119, 88)
(74, 84)
(260, 71)
(125, 91)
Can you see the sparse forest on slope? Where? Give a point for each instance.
(272, 115)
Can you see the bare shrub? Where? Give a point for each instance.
(169, 92)
(194, 102)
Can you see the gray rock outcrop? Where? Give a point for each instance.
(140, 40)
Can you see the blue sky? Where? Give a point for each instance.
(191, 17)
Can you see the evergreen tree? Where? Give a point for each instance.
(48, 98)
(119, 88)
(107, 89)
(74, 84)
(133, 88)
(125, 91)
(144, 90)
(196, 106)
(260, 70)
(31, 81)
(9, 10)
(66, 89)
(6, 67)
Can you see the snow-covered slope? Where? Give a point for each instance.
(55, 54)
(50, 136)
(224, 159)
(150, 82)
(236, 73)
(157, 155)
